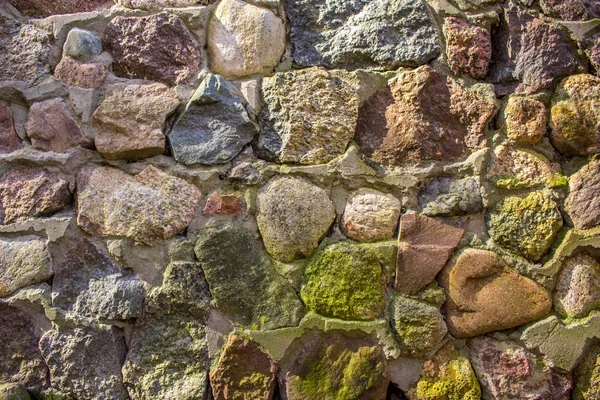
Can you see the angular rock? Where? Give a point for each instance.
(361, 34)
(577, 290)
(244, 39)
(447, 197)
(157, 47)
(243, 282)
(485, 295)
(84, 75)
(24, 261)
(473, 5)
(31, 192)
(130, 120)
(583, 201)
(507, 371)
(371, 215)
(20, 358)
(525, 120)
(244, 371)
(468, 48)
(335, 365)
(293, 216)
(43, 8)
(82, 43)
(52, 127)
(147, 208)
(309, 117)
(514, 168)
(86, 362)
(424, 246)
(223, 204)
(423, 115)
(154, 5)
(587, 376)
(570, 10)
(9, 141)
(591, 46)
(525, 225)
(574, 120)
(215, 126)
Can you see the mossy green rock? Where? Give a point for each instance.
(13, 391)
(344, 281)
(525, 225)
(243, 280)
(587, 376)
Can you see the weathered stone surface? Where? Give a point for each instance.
(215, 126)
(168, 353)
(309, 117)
(86, 75)
(570, 10)
(20, 357)
(24, 261)
(86, 362)
(129, 122)
(473, 5)
(485, 295)
(591, 46)
(468, 48)
(81, 43)
(423, 115)
(424, 246)
(371, 215)
(525, 225)
(147, 208)
(293, 216)
(360, 34)
(577, 290)
(244, 371)
(244, 39)
(514, 168)
(583, 202)
(13, 391)
(31, 192)
(336, 366)
(587, 376)
(153, 5)
(525, 120)
(574, 120)
(9, 141)
(346, 282)
(223, 204)
(52, 127)
(43, 8)
(243, 281)
(157, 48)
(507, 371)
(447, 197)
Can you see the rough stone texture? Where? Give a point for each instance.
(31, 192)
(215, 126)
(153, 5)
(525, 225)
(473, 5)
(51, 126)
(293, 216)
(424, 246)
(85, 75)
(583, 203)
(43, 8)
(81, 43)
(9, 141)
(20, 357)
(243, 281)
(244, 39)
(577, 290)
(359, 33)
(570, 10)
(130, 120)
(157, 48)
(223, 204)
(448, 197)
(336, 366)
(13, 391)
(292, 130)
(507, 371)
(514, 168)
(371, 215)
(243, 372)
(86, 362)
(525, 120)
(587, 376)
(423, 115)
(485, 295)
(468, 48)
(346, 282)
(24, 261)
(147, 208)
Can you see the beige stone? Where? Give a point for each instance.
(371, 215)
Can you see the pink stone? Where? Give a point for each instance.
(468, 48)
(9, 141)
(223, 204)
(85, 75)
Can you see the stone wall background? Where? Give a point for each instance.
(299, 199)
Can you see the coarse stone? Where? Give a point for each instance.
(371, 215)
(223, 204)
(525, 120)
(571, 10)
(448, 197)
(215, 125)
(149, 207)
(81, 43)
(468, 48)
(361, 34)
(13, 391)
(244, 39)
(577, 290)
(473, 5)
(52, 127)
(309, 117)
(85, 75)
(157, 47)
(24, 261)
(582, 204)
(424, 246)
(293, 216)
(514, 168)
(244, 283)
(43, 8)
(485, 295)
(9, 141)
(423, 115)
(587, 376)
(155, 5)
(130, 120)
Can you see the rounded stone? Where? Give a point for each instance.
(81, 43)
(525, 120)
(577, 290)
(371, 215)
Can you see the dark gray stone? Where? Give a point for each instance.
(447, 197)
(82, 43)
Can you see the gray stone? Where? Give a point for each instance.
(577, 290)
(215, 126)
(24, 261)
(448, 197)
(583, 201)
(81, 43)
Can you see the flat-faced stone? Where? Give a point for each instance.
(147, 208)
(448, 197)
(371, 215)
(485, 295)
(9, 141)
(514, 168)
(223, 204)
(24, 261)
(577, 290)
(525, 120)
(587, 376)
(583, 201)
(85, 75)
(468, 47)
(43, 8)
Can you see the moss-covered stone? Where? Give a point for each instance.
(13, 391)
(587, 376)
(344, 281)
(513, 168)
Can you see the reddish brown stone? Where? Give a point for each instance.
(223, 204)
(45, 8)
(9, 141)
(424, 246)
(85, 75)
(468, 48)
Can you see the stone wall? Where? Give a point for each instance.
(299, 199)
